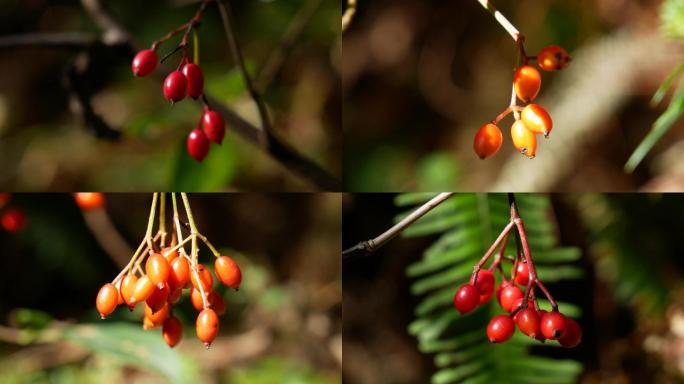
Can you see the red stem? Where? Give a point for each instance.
(503, 235)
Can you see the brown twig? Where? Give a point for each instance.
(348, 15)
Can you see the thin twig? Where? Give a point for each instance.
(348, 15)
(369, 246)
(507, 25)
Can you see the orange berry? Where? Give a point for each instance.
(107, 299)
(148, 324)
(119, 299)
(158, 298)
(228, 272)
(207, 326)
(157, 317)
(487, 142)
(174, 296)
(172, 331)
(205, 277)
(524, 139)
(553, 58)
(527, 82)
(217, 303)
(168, 254)
(157, 268)
(196, 299)
(89, 200)
(143, 289)
(180, 273)
(536, 119)
(128, 284)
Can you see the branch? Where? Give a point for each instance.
(348, 15)
(507, 25)
(367, 247)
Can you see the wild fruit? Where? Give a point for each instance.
(500, 329)
(207, 326)
(553, 58)
(198, 144)
(157, 317)
(175, 87)
(13, 220)
(522, 273)
(553, 325)
(107, 299)
(205, 278)
(509, 296)
(213, 126)
(158, 298)
(172, 331)
(466, 298)
(144, 63)
(572, 336)
(523, 139)
(484, 282)
(143, 289)
(228, 272)
(528, 321)
(179, 276)
(527, 82)
(217, 303)
(488, 140)
(158, 269)
(195, 79)
(89, 200)
(536, 119)
(169, 253)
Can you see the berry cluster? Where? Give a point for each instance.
(530, 119)
(168, 270)
(521, 305)
(186, 80)
(12, 219)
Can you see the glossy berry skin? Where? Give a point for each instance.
(128, 284)
(196, 299)
(228, 272)
(522, 274)
(143, 289)
(89, 200)
(466, 298)
(484, 282)
(195, 79)
(157, 317)
(175, 296)
(144, 63)
(485, 298)
(500, 329)
(528, 322)
(158, 298)
(107, 299)
(553, 58)
(536, 119)
(13, 220)
(172, 331)
(572, 336)
(553, 325)
(205, 278)
(197, 145)
(175, 87)
(179, 276)
(213, 126)
(169, 254)
(509, 296)
(217, 303)
(158, 269)
(527, 82)
(207, 326)
(488, 140)
(524, 140)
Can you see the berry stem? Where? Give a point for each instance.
(162, 218)
(195, 249)
(502, 236)
(507, 25)
(348, 15)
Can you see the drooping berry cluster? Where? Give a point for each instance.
(12, 219)
(168, 271)
(521, 304)
(186, 80)
(530, 119)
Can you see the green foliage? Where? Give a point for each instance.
(672, 18)
(277, 370)
(438, 171)
(467, 225)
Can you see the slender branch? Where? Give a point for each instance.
(503, 236)
(162, 218)
(369, 246)
(107, 236)
(348, 15)
(507, 25)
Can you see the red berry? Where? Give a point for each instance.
(204, 277)
(89, 200)
(228, 272)
(524, 139)
(528, 321)
(158, 269)
(536, 119)
(466, 298)
(509, 297)
(207, 326)
(128, 284)
(553, 58)
(500, 329)
(484, 282)
(572, 336)
(197, 145)
(213, 126)
(488, 140)
(13, 220)
(172, 331)
(175, 87)
(553, 325)
(157, 318)
(527, 82)
(158, 298)
(217, 303)
(107, 299)
(193, 74)
(485, 298)
(142, 290)
(144, 63)
(522, 274)
(179, 275)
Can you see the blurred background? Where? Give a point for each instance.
(421, 76)
(613, 261)
(282, 326)
(45, 145)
